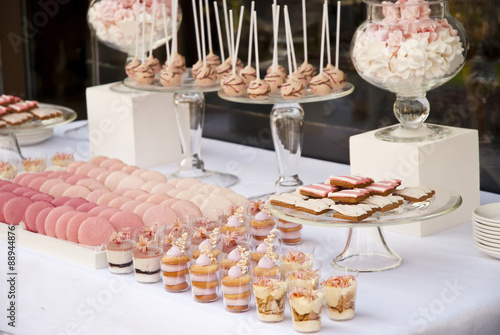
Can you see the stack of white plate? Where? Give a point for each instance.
(486, 229)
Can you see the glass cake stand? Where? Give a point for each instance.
(189, 106)
(287, 128)
(35, 130)
(366, 249)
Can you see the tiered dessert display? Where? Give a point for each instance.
(364, 207)
(188, 88)
(409, 47)
(285, 92)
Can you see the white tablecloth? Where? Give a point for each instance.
(445, 285)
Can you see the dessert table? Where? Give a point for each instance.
(445, 285)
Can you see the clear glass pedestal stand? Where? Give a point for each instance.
(190, 115)
(287, 127)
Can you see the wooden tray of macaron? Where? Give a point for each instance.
(30, 114)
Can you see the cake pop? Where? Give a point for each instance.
(233, 85)
(153, 63)
(169, 77)
(223, 70)
(144, 74)
(275, 79)
(196, 67)
(292, 89)
(337, 77)
(213, 60)
(248, 74)
(258, 89)
(321, 84)
(307, 70)
(178, 62)
(131, 67)
(206, 76)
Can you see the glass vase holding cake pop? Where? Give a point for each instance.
(408, 48)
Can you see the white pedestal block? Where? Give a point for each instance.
(137, 127)
(452, 163)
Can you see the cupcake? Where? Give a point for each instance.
(306, 306)
(147, 261)
(119, 252)
(204, 279)
(236, 286)
(340, 296)
(304, 278)
(261, 225)
(175, 267)
(270, 296)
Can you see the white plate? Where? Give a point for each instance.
(486, 237)
(486, 221)
(488, 213)
(486, 243)
(486, 229)
(489, 251)
(487, 226)
(495, 243)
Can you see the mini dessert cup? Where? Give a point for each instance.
(235, 257)
(175, 270)
(260, 249)
(236, 224)
(237, 289)
(290, 232)
(340, 295)
(268, 267)
(297, 258)
(63, 158)
(119, 250)
(211, 246)
(231, 240)
(304, 278)
(9, 169)
(147, 256)
(174, 231)
(202, 227)
(35, 163)
(153, 232)
(270, 297)
(261, 226)
(204, 279)
(306, 306)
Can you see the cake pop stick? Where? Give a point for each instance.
(237, 45)
(209, 28)
(165, 29)
(289, 36)
(231, 26)
(224, 7)
(323, 28)
(337, 38)
(256, 39)
(153, 23)
(137, 30)
(219, 33)
(258, 88)
(304, 28)
(202, 33)
(328, 52)
(233, 85)
(143, 28)
(174, 26)
(196, 29)
(249, 59)
(275, 35)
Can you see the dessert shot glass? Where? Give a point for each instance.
(204, 278)
(119, 250)
(272, 246)
(297, 258)
(290, 232)
(175, 264)
(202, 227)
(35, 163)
(236, 283)
(270, 297)
(305, 278)
(306, 307)
(146, 256)
(340, 294)
(240, 255)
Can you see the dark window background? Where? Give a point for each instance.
(47, 54)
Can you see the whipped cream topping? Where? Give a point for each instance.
(261, 216)
(265, 263)
(408, 46)
(205, 244)
(203, 260)
(234, 255)
(235, 272)
(174, 252)
(261, 248)
(234, 222)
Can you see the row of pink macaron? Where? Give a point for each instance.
(148, 207)
(72, 219)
